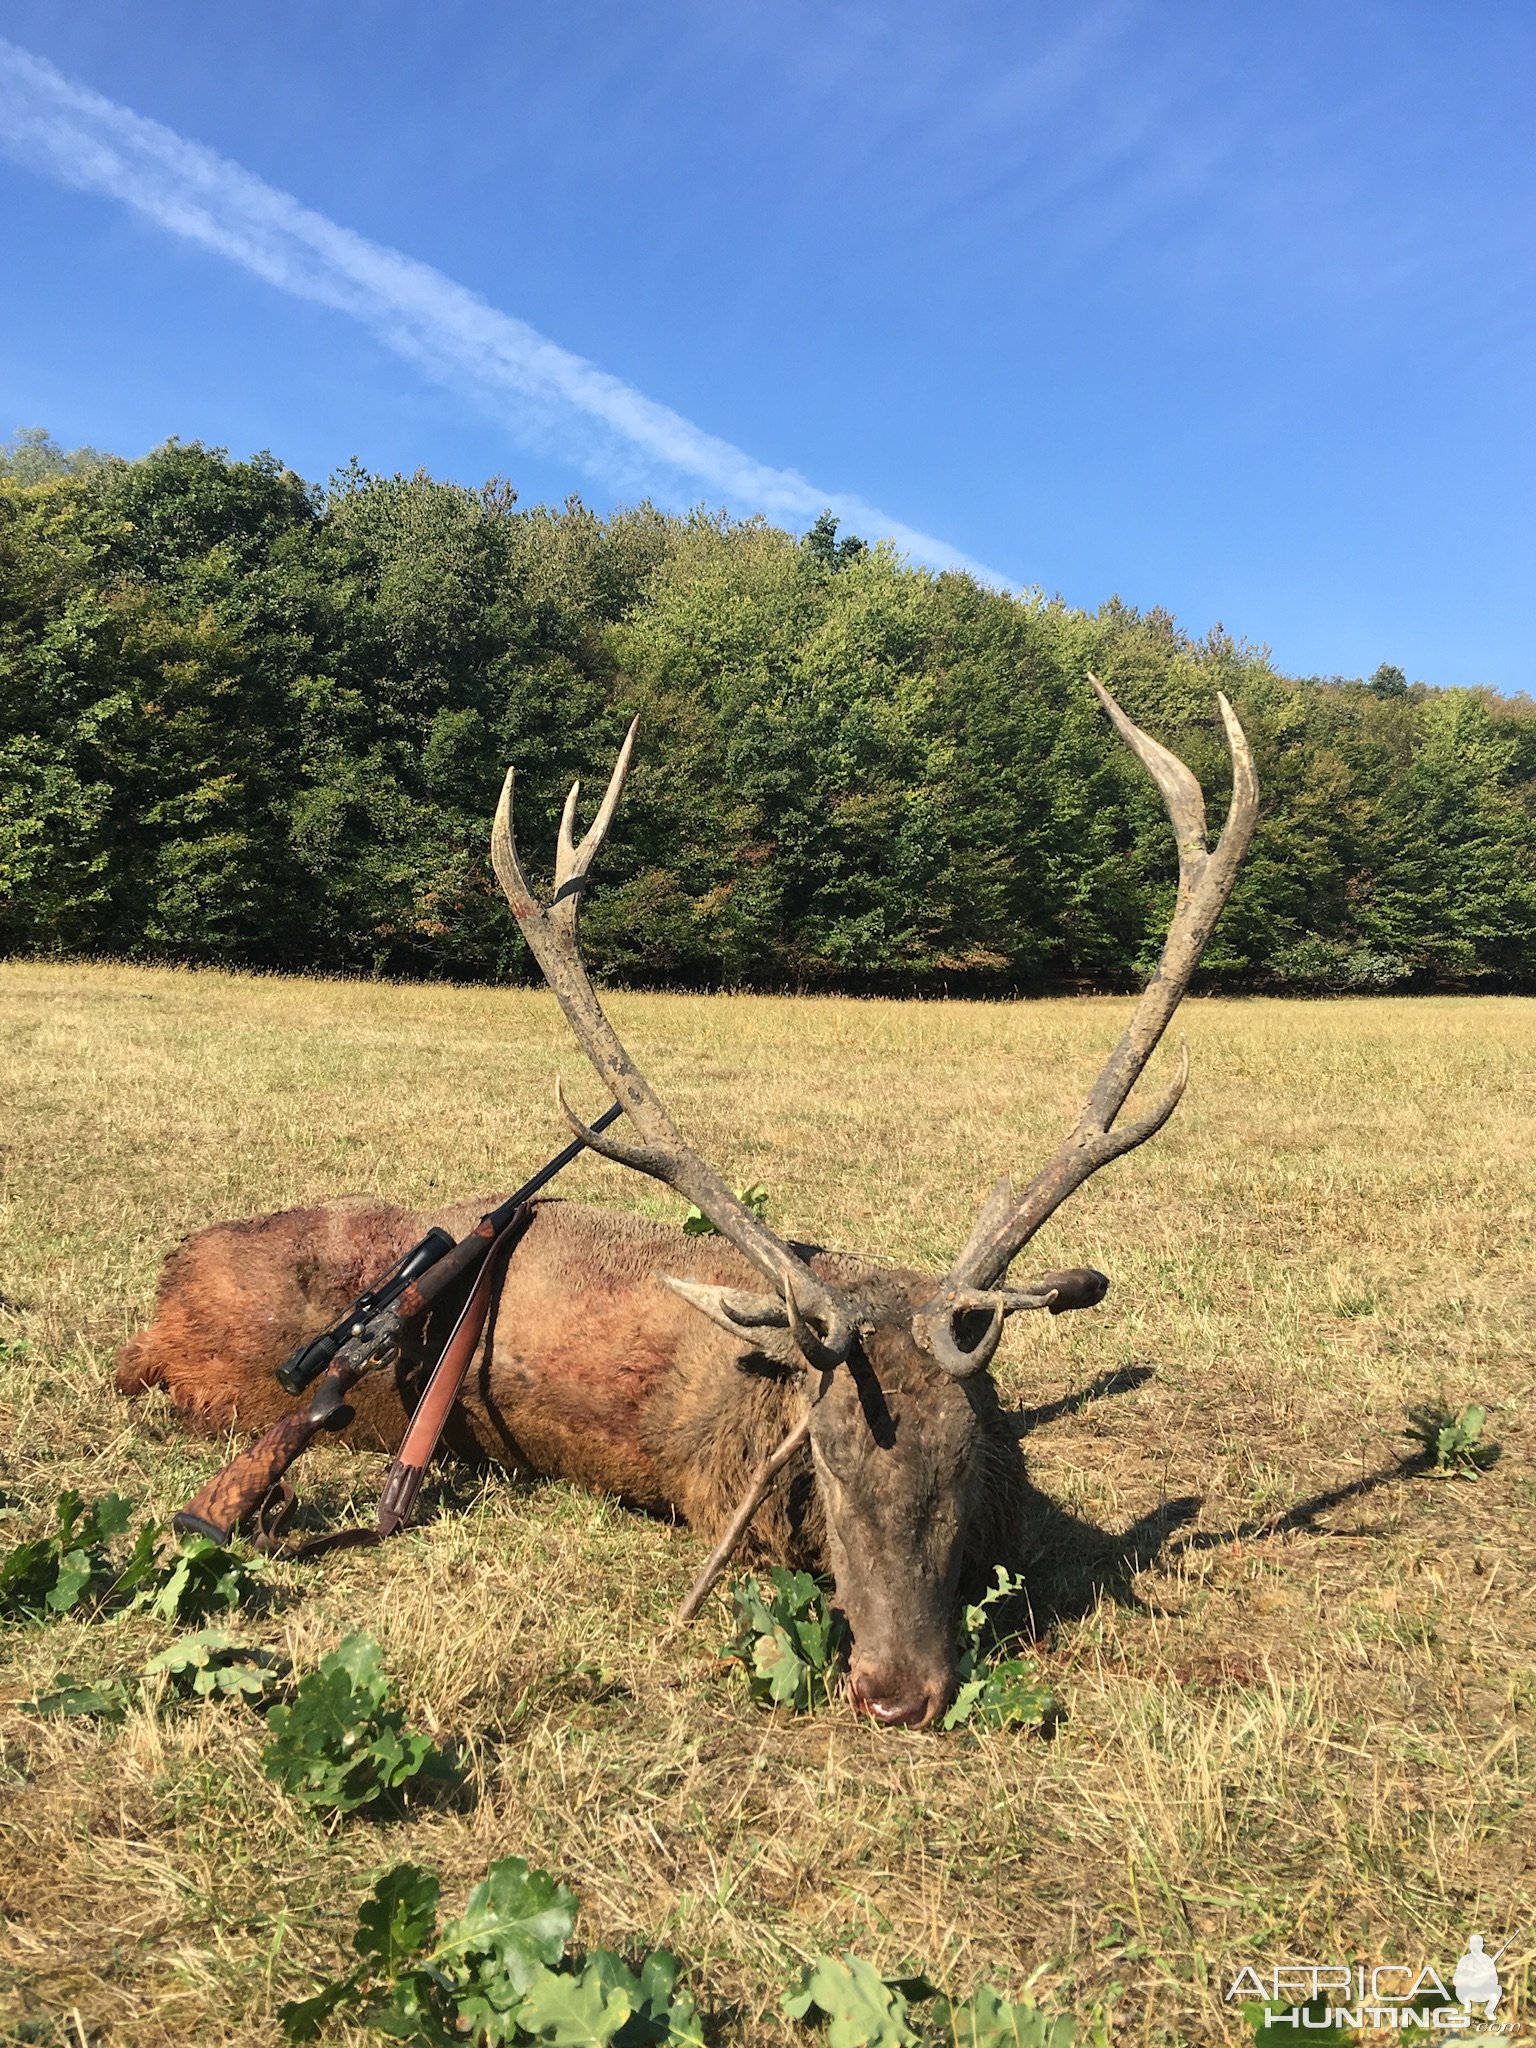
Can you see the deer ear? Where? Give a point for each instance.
(760, 1320)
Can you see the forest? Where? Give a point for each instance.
(253, 721)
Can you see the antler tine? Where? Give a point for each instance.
(572, 862)
(1010, 1218)
(821, 1326)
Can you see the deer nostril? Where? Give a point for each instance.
(898, 1713)
(896, 1707)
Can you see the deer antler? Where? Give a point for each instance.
(820, 1327)
(1009, 1218)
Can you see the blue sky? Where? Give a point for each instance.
(1223, 308)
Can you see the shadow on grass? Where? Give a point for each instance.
(1124, 1379)
(1072, 1565)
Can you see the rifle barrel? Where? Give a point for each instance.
(502, 1213)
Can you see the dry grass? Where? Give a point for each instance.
(1299, 1706)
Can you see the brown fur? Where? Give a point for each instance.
(584, 1342)
(594, 1371)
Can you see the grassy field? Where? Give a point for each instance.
(1298, 1720)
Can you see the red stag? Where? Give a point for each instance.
(666, 1368)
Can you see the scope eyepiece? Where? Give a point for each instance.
(311, 1359)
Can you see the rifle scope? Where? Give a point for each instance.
(310, 1360)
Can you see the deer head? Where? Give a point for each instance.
(894, 1364)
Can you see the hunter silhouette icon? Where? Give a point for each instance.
(1476, 1977)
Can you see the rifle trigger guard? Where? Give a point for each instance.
(271, 1515)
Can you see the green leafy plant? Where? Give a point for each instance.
(212, 1665)
(753, 1197)
(58, 1573)
(208, 1665)
(786, 1640)
(606, 2001)
(789, 1644)
(104, 1699)
(862, 2009)
(199, 1578)
(393, 1981)
(995, 1691)
(1453, 1440)
(343, 1743)
(988, 2020)
(73, 1569)
(497, 1974)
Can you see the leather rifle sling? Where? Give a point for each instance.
(402, 1483)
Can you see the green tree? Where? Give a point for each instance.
(1455, 892)
(245, 719)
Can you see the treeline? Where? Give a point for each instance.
(247, 720)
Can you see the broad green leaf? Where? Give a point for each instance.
(360, 1657)
(964, 1704)
(395, 1922)
(204, 1575)
(1010, 1696)
(862, 2009)
(107, 1699)
(516, 1920)
(787, 1639)
(211, 1663)
(490, 2017)
(585, 2010)
(74, 1575)
(987, 2020)
(27, 1577)
(786, 1675)
(302, 2018)
(664, 2005)
(412, 2007)
(109, 1517)
(487, 2022)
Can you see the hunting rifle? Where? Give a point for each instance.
(366, 1339)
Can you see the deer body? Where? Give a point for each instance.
(596, 1371)
(593, 1369)
(665, 1368)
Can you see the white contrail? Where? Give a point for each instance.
(559, 401)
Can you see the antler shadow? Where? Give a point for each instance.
(1125, 1379)
(1072, 1565)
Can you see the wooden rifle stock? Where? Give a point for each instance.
(235, 1493)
